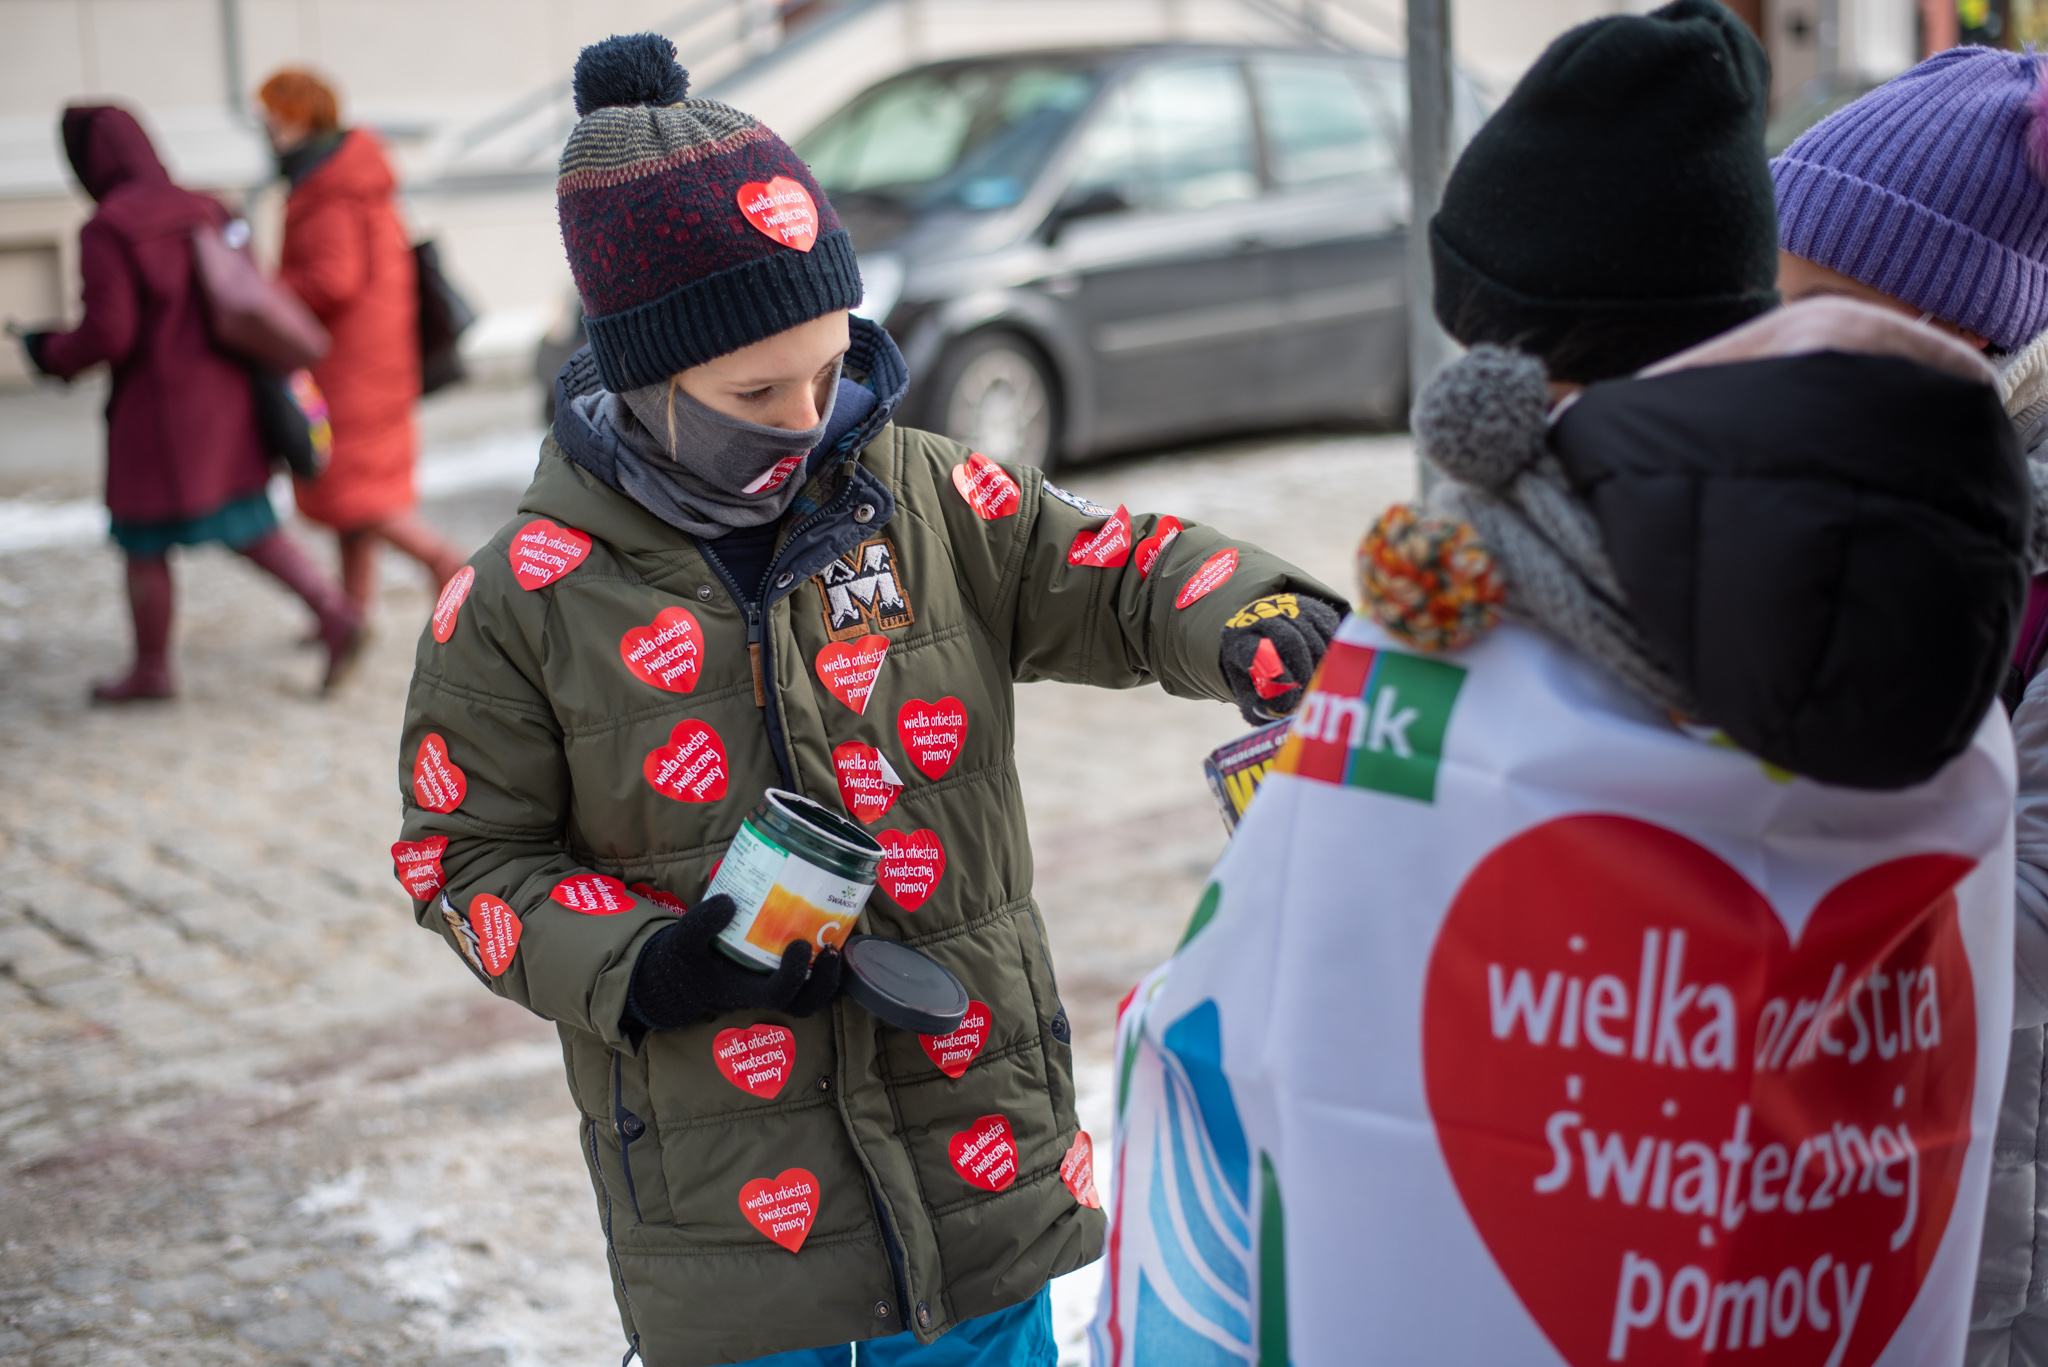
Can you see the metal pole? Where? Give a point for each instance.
(231, 56)
(1429, 160)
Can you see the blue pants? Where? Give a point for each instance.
(1018, 1337)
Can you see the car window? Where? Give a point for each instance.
(1176, 136)
(1387, 84)
(1320, 130)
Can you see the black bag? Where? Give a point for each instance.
(444, 317)
(293, 426)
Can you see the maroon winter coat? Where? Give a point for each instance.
(181, 424)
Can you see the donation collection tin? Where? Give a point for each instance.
(795, 871)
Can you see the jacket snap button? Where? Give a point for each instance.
(864, 513)
(703, 593)
(824, 1084)
(784, 580)
(632, 1127)
(924, 1316)
(881, 1310)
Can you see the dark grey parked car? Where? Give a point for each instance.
(1086, 250)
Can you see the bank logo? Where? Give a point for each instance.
(1374, 719)
(863, 592)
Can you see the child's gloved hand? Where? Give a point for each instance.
(1271, 647)
(682, 979)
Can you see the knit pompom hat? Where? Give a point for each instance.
(1930, 189)
(692, 230)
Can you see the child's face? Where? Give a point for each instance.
(781, 381)
(1799, 279)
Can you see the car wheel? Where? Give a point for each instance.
(994, 394)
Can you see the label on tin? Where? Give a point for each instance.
(782, 898)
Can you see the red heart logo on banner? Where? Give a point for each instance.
(691, 767)
(756, 1060)
(984, 1154)
(1107, 546)
(867, 785)
(662, 899)
(1077, 1170)
(912, 865)
(848, 669)
(593, 894)
(418, 865)
(932, 733)
(450, 602)
(542, 553)
(668, 652)
(1215, 572)
(497, 932)
(987, 487)
(1152, 547)
(783, 210)
(951, 1054)
(1680, 1132)
(436, 783)
(784, 1208)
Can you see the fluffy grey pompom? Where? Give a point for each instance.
(1481, 419)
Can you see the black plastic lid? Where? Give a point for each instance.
(903, 987)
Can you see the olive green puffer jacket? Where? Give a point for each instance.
(533, 745)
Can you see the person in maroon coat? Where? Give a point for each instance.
(185, 464)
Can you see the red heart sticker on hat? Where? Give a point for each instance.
(1107, 546)
(668, 652)
(1152, 547)
(783, 210)
(660, 898)
(848, 669)
(912, 865)
(1215, 572)
(1077, 1170)
(450, 602)
(933, 733)
(418, 865)
(867, 784)
(784, 1208)
(437, 783)
(984, 1154)
(691, 767)
(1679, 1130)
(497, 929)
(951, 1054)
(757, 1059)
(542, 553)
(593, 894)
(987, 487)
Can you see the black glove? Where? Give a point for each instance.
(682, 979)
(1271, 647)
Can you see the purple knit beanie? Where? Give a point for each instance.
(1934, 189)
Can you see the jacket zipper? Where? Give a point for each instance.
(762, 657)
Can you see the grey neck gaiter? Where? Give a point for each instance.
(721, 474)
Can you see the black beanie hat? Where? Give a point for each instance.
(1618, 207)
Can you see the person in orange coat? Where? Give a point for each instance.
(346, 255)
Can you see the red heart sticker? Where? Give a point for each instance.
(783, 210)
(593, 894)
(932, 733)
(951, 1054)
(777, 475)
(1152, 547)
(848, 669)
(437, 784)
(543, 553)
(1215, 572)
(1077, 1170)
(660, 898)
(784, 1208)
(867, 784)
(984, 1154)
(418, 865)
(1681, 1132)
(912, 865)
(691, 767)
(1107, 546)
(450, 602)
(987, 487)
(668, 652)
(497, 929)
(756, 1060)
(1269, 673)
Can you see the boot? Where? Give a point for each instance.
(341, 626)
(149, 602)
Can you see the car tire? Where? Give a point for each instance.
(995, 393)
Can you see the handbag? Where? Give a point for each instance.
(251, 318)
(444, 315)
(291, 417)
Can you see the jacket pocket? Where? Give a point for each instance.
(634, 1146)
